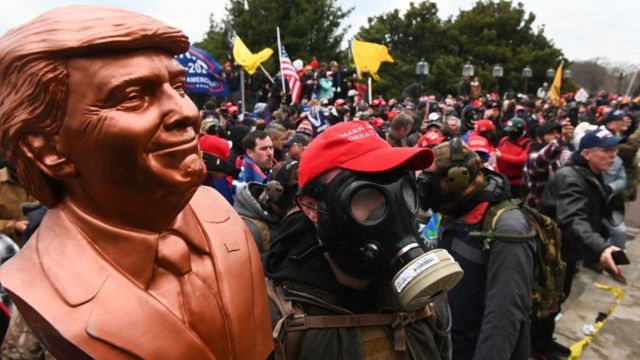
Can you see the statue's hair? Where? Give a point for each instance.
(34, 76)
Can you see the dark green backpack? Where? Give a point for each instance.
(549, 272)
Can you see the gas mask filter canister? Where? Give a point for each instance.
(425, 278)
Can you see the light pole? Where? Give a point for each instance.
(497, 73)
(527, 73)
(468, 70)
(550, 73)
(566, 75)
(422, 70)
(464, 88)
(619, 83)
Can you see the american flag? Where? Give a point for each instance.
(291, 75)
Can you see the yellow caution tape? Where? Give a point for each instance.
(578, 348)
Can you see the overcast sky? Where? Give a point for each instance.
(583, 29)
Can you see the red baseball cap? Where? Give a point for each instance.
(215, 145)
(484, 125)
(431, 138)
(377, 122)
(356, 146)
(478, 143)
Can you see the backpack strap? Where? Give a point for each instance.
(490, 220)
(286, 344)
(294, 322)
(265, 232)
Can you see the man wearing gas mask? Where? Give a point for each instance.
(351, 279)
(255, 205)
(491, 305)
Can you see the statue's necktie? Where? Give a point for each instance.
(201, 308)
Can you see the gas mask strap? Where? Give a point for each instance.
(314, 208)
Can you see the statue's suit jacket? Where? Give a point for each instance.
(81, 306)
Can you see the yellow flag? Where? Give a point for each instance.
(245, 58)
(367, 56)
(554, 93)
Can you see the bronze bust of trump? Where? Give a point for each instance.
(134, 258)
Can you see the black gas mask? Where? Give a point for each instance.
(369, 231)
(431, 194)
(462, 171)
(270, 197)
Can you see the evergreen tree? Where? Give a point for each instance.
(500, 32)
(488, 34)
(308, 28)
(416, 34)
(215, 41)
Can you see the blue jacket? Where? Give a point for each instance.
(249, 172)
(222, 185)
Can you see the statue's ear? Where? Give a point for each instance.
(45, 154)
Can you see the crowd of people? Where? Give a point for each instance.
(362, 213)
(558, 157)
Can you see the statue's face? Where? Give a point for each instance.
(130, 131)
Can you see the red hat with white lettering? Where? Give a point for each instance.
(479, 143)
(356, 146)
(430, 139)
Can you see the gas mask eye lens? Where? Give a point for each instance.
(368, 205)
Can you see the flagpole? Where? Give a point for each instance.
(242, 90)
(284, 89)
(352, 58)
(633, 79)
(370, 91)
(351, 55)
(266, 73)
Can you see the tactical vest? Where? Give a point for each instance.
(375, 343)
